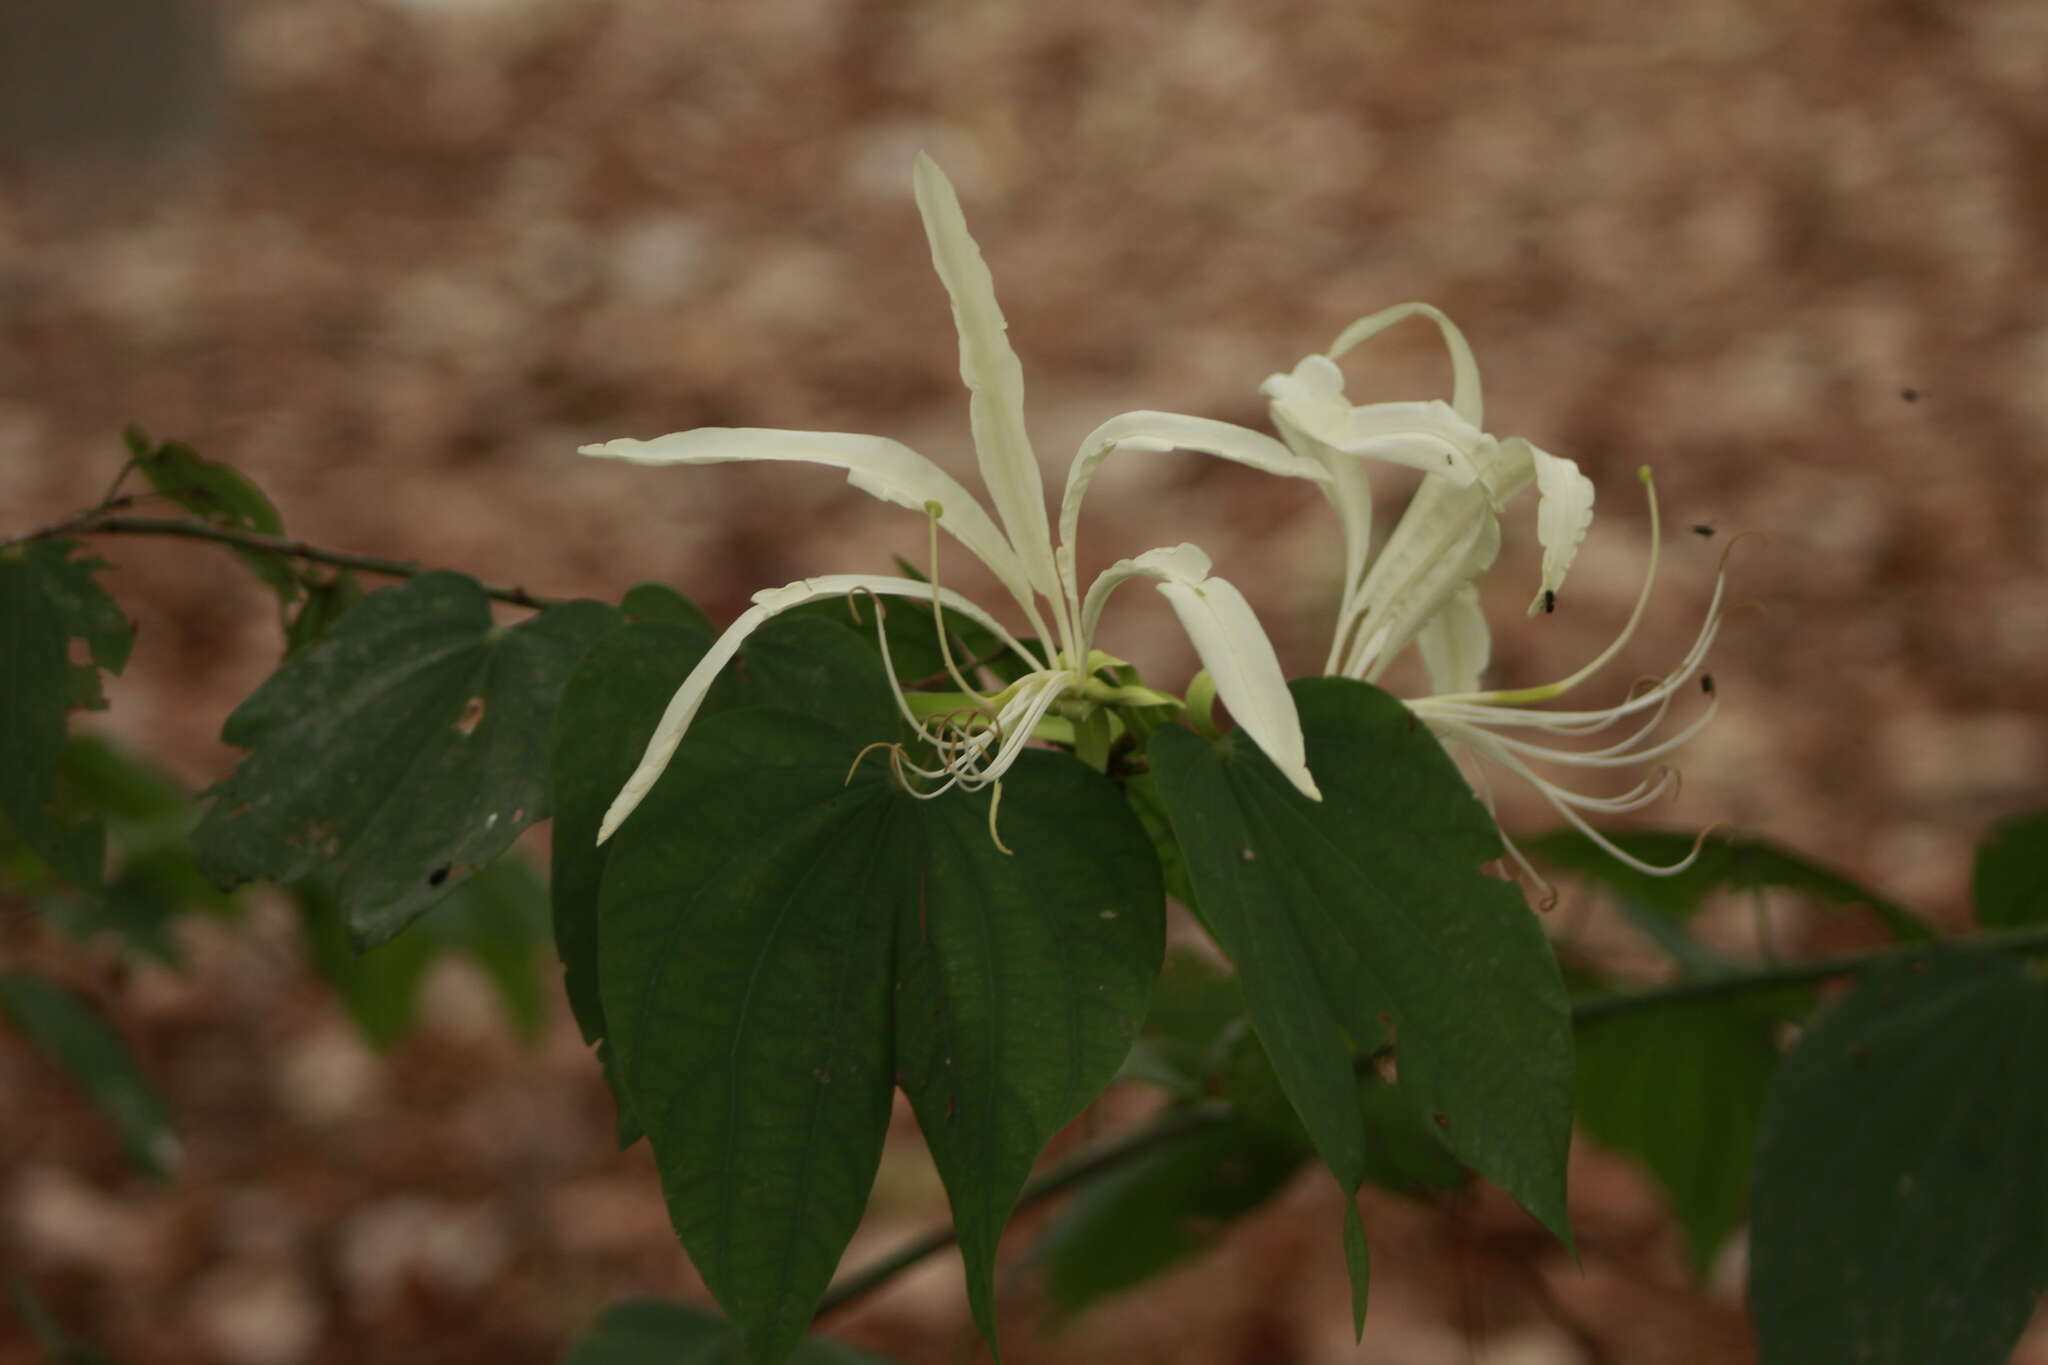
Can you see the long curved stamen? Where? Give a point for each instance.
(1615, 755)
(932, 511)
(1628, 630)
(1551, 793)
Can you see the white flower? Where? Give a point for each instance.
(976, 743)
(1419, 589)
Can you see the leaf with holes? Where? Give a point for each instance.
(47, 600)
(780, 944)
(401, 754)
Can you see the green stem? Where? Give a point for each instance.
(1179, 1125)
(1777, 975)
(103, 523)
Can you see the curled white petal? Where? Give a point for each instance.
(1563, 515)
(877, 466)
(1232, 645)
(994, 379)
(1466, 398)
(682, 707)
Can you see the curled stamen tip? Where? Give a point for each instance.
(889, 744)
(1721, 566)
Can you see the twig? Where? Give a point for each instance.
(101, 522)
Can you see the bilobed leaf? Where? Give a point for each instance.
(1901, 1199)
(659, 1332)
(48, 599)
(221, 494)
(609, 709)
(2010, 883)
(780, 944)
(72, 1032)
(401, 754)
(1144, 1217)
(1364, 918)
(1726, 863)
(1681, 1090)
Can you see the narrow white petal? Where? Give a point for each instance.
(682, 707)
(994, 379)
(877, 466)
(1163, 431)
(1446, 538)
(1427, 436)
(1455, 643)
(1465, 394)
(1231, 644)
(1306, 401)
(1563, 515)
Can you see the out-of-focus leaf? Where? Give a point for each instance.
(1681, 1089)
(400, 755)
(497, 919)
(1726, 863)
(1901, 1196)
(2010, 883)
(659, 1332)
(659, 602)
(1142, 1218)
(73, 1034)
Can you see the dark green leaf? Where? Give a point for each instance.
(48, 599)
(779, 943)
(400, 755)
(72, 1032)
(1726, 863)
(1127, 1226)
(1901, 1197)
(1142, 790)
(659, 602)
(1364, 917)
(1681, 1089)
(1404, 1147)
(658, 1332)
(2010, 884)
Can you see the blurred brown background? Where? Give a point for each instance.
(397, 258)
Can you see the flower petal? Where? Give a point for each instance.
(1162, 431)
(1232, 646)
(1563, 515)
(682, 707)
(880, 467)
(1455, 643)
(1465, 394)
(994, 379)
(1446, 538)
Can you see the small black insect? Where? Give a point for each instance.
(1910, 395)
(1707, 683)
(1702, 529)
(437, 876)
(1549, 599)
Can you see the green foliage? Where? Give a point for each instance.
(47, 600)
(1901, 1196)
(219, 494)
(658, 1332)
(780, 943)
(399, 755)
(1363, 920)
(74, 1035)
(1162, 1208)
(1681, 1090)
(1726, 863)
(496, 919)
(2010, 882)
